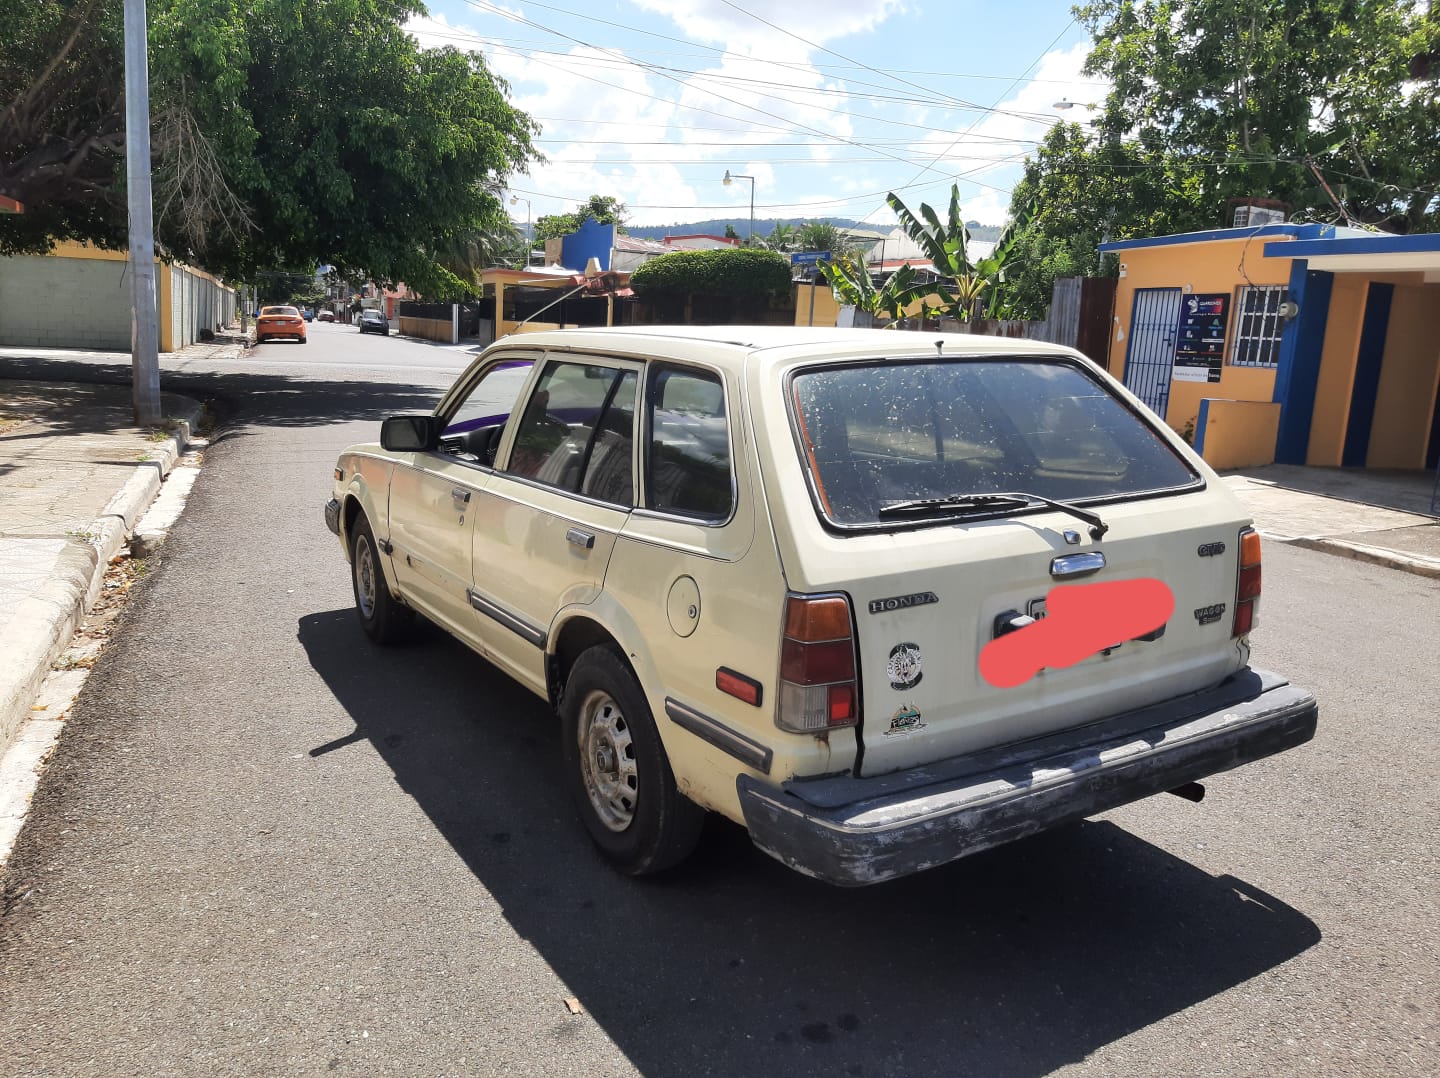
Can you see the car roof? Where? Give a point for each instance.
(730, 346)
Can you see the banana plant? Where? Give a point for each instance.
(974, 289)
(850, 280)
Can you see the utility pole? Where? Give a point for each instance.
(144, 320)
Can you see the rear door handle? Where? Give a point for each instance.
(583, 539)
(459, 497)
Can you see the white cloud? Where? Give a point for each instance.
(992, 151)
(743, 31)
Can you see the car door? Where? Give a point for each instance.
(433, 496)
(549, 517)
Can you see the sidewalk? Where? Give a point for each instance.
(76, 475)
(1375, 516)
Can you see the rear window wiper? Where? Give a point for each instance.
(985, 503)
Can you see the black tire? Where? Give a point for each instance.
(618, 773)
(383, 618)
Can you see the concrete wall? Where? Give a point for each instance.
(79, 297)
(1236, 434)
(1209, 266)
(63, 302)
(591, 240)
(430, 329)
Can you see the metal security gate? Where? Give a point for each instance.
(1150, 355)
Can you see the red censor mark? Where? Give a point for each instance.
(1080, 620)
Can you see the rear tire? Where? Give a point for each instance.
(383, 618)
(617, 770)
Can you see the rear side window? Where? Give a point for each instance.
(687, 456)
(577, 432)
(876, 435)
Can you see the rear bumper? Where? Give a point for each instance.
(855, 831)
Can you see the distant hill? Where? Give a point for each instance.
(715, 226)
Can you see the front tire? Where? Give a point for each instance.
(384, 620)
(617, 770)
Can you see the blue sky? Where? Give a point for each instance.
(827, 105)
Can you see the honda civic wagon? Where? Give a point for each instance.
(883, 598)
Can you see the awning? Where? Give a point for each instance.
(1368, 254)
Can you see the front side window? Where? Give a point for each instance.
(687, 457)
(474, 428)
(873, 436)
(577, 432)
(1258, 325)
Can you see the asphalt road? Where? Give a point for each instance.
(265, 846)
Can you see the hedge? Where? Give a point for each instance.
(734, 271)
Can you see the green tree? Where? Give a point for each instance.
(1266, 97)
(1085, 190)
(603, 209)
(466, 255)
(287, 132)
(822, 236)
(782, 237)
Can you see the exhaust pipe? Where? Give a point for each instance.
(1191, 791)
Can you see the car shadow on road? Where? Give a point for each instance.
(1017, 961)
(262, 399)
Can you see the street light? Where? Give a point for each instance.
(1064, 104)
(729, 178)
(515, 200)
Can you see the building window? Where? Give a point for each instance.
(1258, 325)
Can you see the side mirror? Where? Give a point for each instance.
(410, 433)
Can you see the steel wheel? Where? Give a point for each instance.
(365, 577)
(607, 761)
(382, 616)
(617, 771)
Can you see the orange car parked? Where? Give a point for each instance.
(279, 322)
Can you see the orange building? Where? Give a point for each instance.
(1302, 344)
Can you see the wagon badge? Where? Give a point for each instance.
(904, 666)
(906, 720)
(1208, 615)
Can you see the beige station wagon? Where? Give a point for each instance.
(884, 598)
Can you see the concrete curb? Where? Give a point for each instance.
(44, 622)
(1417, 564)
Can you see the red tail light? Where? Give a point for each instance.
(1247, 584)
(818, 688)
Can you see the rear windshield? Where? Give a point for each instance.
(876, 435)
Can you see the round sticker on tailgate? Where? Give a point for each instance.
(904, 666)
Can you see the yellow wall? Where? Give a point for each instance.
(1205, 266)
(1240, 434)
(825, 312)
(72, 249)
(1338, 360)
(1409, 376)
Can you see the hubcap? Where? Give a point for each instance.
(365, 578)
(607, 761)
